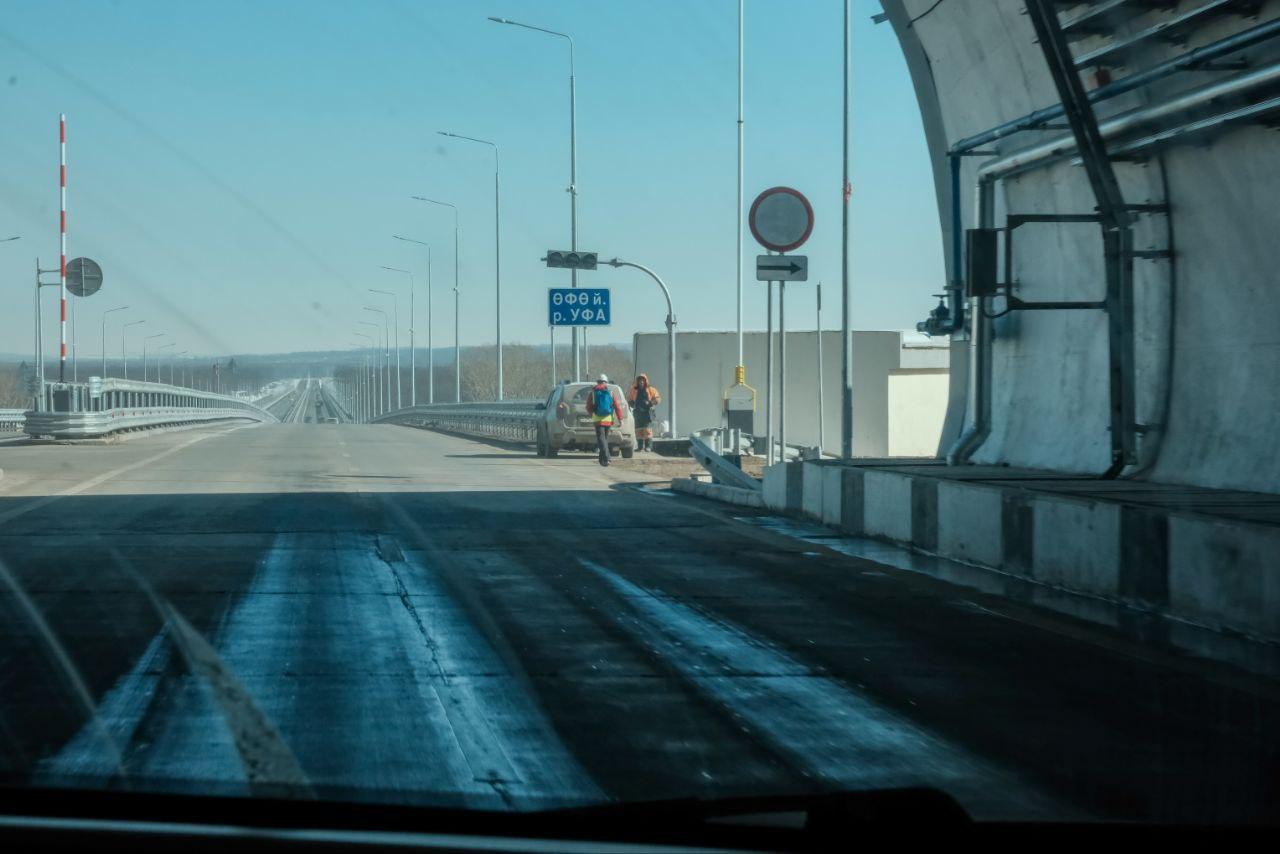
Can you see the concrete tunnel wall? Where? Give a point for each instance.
(1207, 340)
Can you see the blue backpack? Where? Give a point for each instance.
(603, 401)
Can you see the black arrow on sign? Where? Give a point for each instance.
(792, 267)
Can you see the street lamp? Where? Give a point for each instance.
(386, 349)
(369, 399)
(431, 356)
(144, 353)
(457, 350)
(124, 353)
(497, 247)
(573, 168)
(671, 335)
(104, 337)
(158, 349)
(357, 396)
(395, 304)
(175, 358)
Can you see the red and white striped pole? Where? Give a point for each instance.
(62, 227)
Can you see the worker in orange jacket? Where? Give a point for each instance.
(644, 398)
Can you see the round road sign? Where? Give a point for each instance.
(84, 277)
(781, 219)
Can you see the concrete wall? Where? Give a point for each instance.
(1205, 371)
(915, 416)
(911, 373)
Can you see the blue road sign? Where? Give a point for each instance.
(578, 306)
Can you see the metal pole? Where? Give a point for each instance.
(62, 237)
(39, 337)
(782, 371)
(846, 328)
(573, 196)
(457, 352)
(820, 389)
(553, 357)
(431, 351)
(768, 385)
(741, 372)
(497, 265)
(395, 305)
(413, 363)
(671, 335)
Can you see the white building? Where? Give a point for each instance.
(900, 382)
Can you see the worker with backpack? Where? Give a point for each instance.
(605, 409)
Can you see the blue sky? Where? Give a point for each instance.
(238, 168)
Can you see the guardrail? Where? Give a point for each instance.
(100, 408)
(11, 420)
(512, 420)
(332, 401)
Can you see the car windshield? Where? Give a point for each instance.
(936, 454)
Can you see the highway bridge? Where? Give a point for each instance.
(303, 607)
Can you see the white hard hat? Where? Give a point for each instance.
(602, 379)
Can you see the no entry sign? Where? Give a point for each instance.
(781, 219)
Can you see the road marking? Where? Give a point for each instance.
(87, 756)
(102, 478)
(818, 723)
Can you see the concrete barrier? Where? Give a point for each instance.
(1185, 564)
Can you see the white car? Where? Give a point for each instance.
(566, 426)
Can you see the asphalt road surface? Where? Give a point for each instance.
(380, 612)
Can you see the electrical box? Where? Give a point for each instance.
(740, 408)
(982, 256)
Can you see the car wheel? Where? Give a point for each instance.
(628, 451)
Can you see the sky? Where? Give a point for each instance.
(239, 167)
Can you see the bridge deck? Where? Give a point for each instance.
(431, 617)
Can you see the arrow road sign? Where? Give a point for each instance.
(782, 268)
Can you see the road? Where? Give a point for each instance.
(377, 611)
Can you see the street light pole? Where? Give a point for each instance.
(158, 349)
(175, 359)
(846, 320)
(457, 351)
(573, 170)
(144, 353)
(364, 376)
(386, 346)
(124, 353)
(431, 359)
(671, 335)
(377, 368)
(497, 247)
(104, 336)
(395, 303)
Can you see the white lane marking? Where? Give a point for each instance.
(499, 726)
(121, 710)
(368, 693)
(102, 478)
(821, 725)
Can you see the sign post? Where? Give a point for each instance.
(781, 220)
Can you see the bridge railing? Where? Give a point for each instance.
(11, 420)
(102, 407)
(512, 420)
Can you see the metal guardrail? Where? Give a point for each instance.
(85, 410)
(11, 420)
(721, 469)
(335, 405)
(512, 420)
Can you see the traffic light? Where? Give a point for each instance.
(571, 260)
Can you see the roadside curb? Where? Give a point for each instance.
(718, 492)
